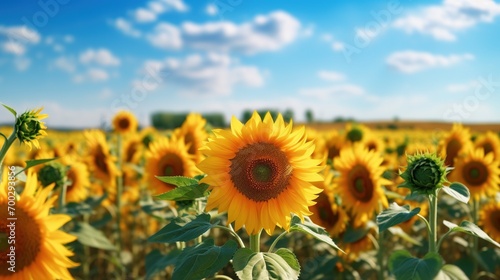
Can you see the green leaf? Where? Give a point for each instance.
(183, 229)
(75, 209)
(451, 272)
(406, 267)
(313, 229)
(89, 236)
(459, 191)
(397, 231)
(185, 193)
(263, 266)
(289, 257)
(156, 261)
(33, 162)
(178, 181)
(395, 215)
(203, 260)
(10, 109)
(471, 229)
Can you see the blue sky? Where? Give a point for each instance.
(371, 60)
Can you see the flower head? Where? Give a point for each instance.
(30, 128)
(425, 173)
(124, 122)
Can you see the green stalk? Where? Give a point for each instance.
(8, 142)
(271, 248)
(233, 233)
(62, 196)
(255, 242)
(119, 192)
(86, 254)
(433, 222)
(380, 256)
(475, 243)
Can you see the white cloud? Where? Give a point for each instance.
(211, 74)
(58, 48)
(49, 40)
(211, 9)
(126, 27)
(338, 46)
(442, 22)
(264, 33)
(67, 64)
(21, 34)
(334, 90)
(326, 37)
(462, 87)
(413, 61)
(331, 76)
(13, 39)
(166, 36)
(22, 63)
(105, 93)
(13, 47)
(100, 56)
(93, 75)
(69, 39)
(144, 15)
(156, 8)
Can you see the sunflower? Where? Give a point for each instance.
(194, 134)
(354, 249)
(490, 144)
(478, 172)
(101, 163)
(78, 176)
(30, 128)
(168, 157)
(490, 219)
(261, 172)
(131, 151)
(326, 212)
(454, 143)
(333, 144)
(374, 143)
(124, 122)
(39, 249)
(360, 182)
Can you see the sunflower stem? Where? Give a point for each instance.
(86, 255)
(271, 248)
(119, 191)
(380, 256)
(255, 242)
(62, 196)
(432, 222)
(233, 233)
(475, 243)
(6, 145)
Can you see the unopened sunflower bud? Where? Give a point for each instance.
(30, 128)
(425, 173)
(52, 173)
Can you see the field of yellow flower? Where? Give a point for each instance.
(265, 199)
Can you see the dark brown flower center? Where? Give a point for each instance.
(72, 177)
(124, 123)
(333, 152)
(171, 165)
(495, 219)
(360, 183)
(325, 212)
(100, 160)
(452, 149)
(260, 171)
(131, 150)
(27, 238)
(487, 147)
(475, 173)
(189, 140)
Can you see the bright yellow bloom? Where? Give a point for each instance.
(39, 247)
(360, 182)
(194, 134)
(490, 219)
(260, 173)
(30, 128)
(124, 122)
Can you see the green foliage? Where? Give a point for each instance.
(471, 229)
(89, 236)
(309, 116)
(169, 120)
(184, 228)
(406, 267)
(395, 215)
(451, 272)
(280, 265)
(311, 228)
(34, 162)
(203, 260)
(458, 191)
(187, 188)
(10, 109)
(156, 261)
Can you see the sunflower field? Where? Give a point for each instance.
(261, 199)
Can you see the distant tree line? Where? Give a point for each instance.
(168, 120)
